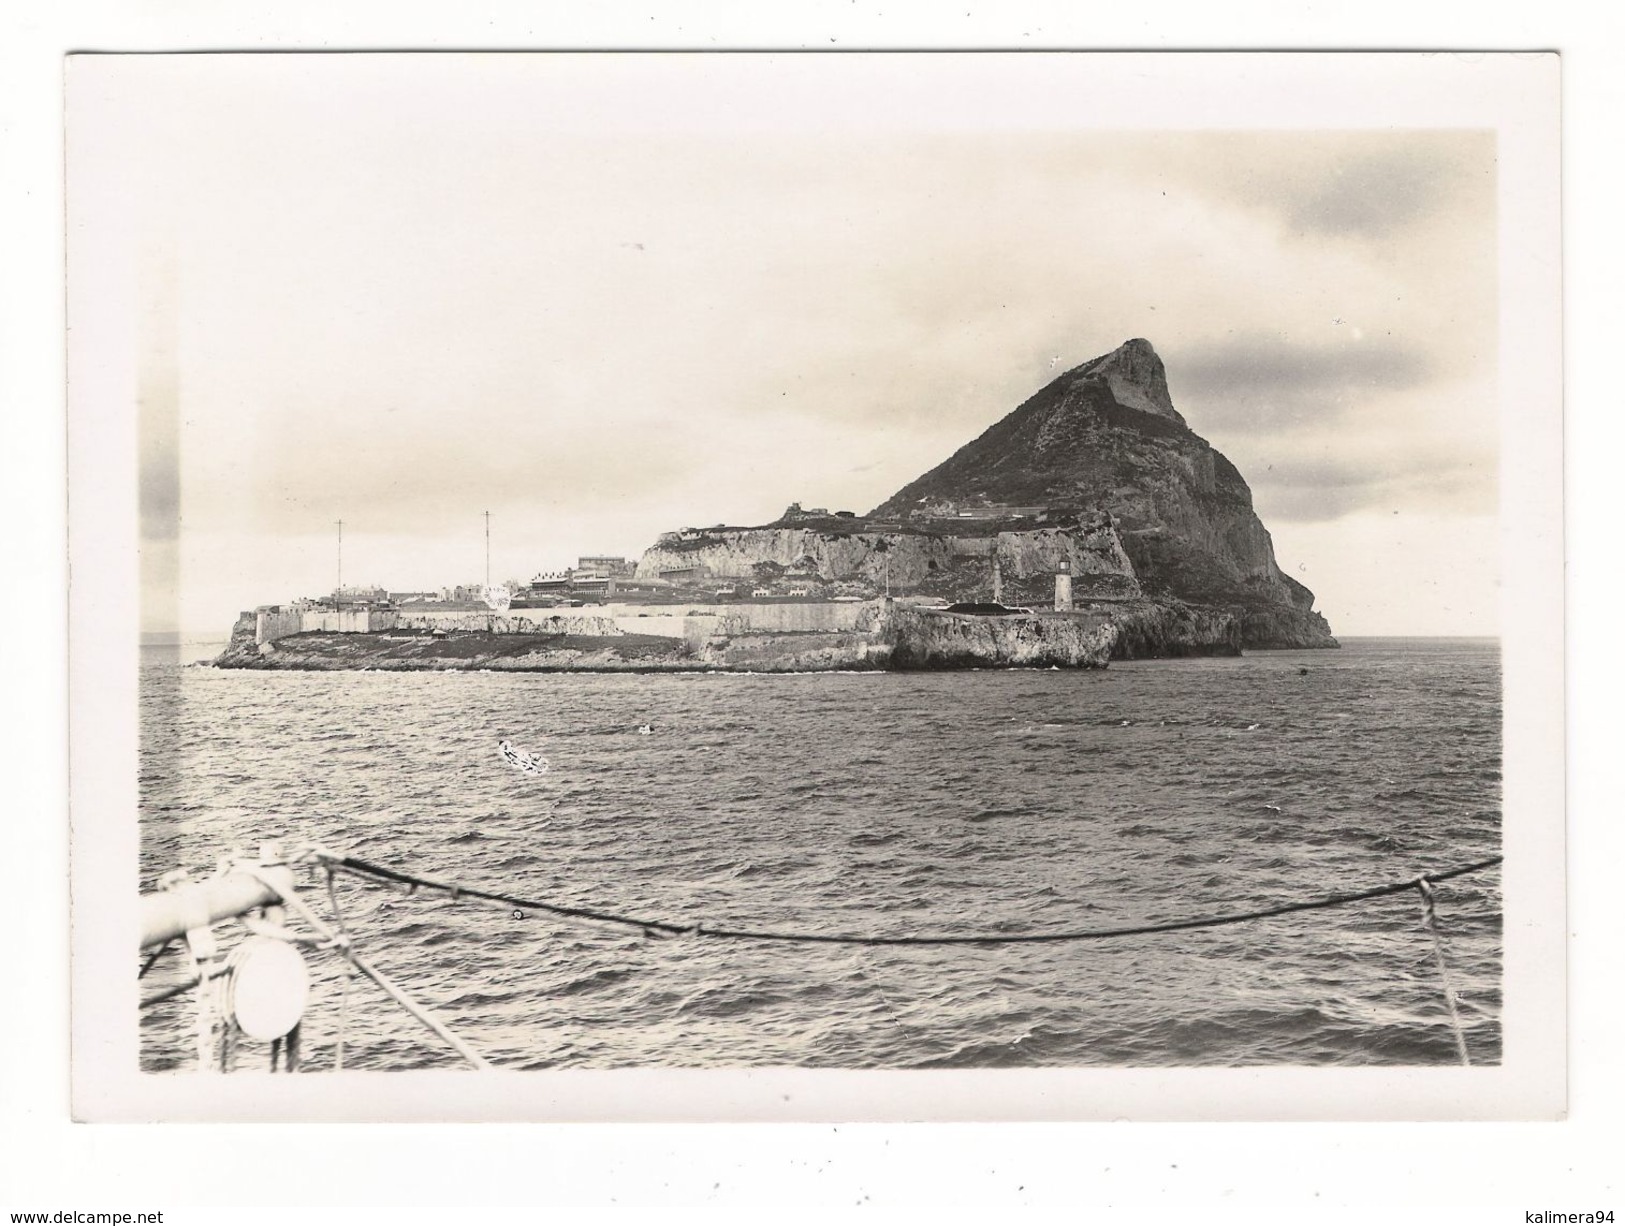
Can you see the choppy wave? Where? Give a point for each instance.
(983, 801)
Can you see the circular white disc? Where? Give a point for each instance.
(268, 988)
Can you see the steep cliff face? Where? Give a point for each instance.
(1155, 630)
(1105, 436)
(734, 553)
(1087, 545)
(240, 649)
(923, 639)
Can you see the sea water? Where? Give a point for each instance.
(996, 802)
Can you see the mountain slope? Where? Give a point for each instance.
(1105, 436)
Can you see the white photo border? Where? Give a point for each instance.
(1516, 95)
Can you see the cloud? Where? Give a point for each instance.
(1420, 450)
(597, 337)
(1370, 187)
(1374, 194)
(1266, 363)
(1259, 383)
(1318, 490)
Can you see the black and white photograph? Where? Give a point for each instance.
(816, 565)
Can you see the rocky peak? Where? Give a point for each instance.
(1136, 377)
(1105, 436)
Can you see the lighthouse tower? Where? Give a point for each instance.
(1063, 588)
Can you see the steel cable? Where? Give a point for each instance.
(380, 872)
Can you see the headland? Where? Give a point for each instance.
(1090, 524)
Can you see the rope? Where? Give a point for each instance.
(652, 927)
(204, 969)
(156, 954)
(874, 987)
(203, 955)
(344, 1016)
(1430, 918)
(391, 989)
(228, 1042)
(348, 973)
(205, 1024)
(179, 989)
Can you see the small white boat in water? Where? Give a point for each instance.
(530, 763)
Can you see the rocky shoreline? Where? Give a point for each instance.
(1093, 497)
(893, 637)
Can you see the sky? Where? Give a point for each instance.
(602, 302)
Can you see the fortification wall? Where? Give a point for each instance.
(781, 617)
(273, 624)
(666, 625)
(515, 621)
(348, 621)
(800, 618)
(690, 622)
(698, 628)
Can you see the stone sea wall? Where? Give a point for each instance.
(513, 622)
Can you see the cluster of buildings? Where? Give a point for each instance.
(603, 578)
(594, 579)
(463, 595)
(688, 599)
